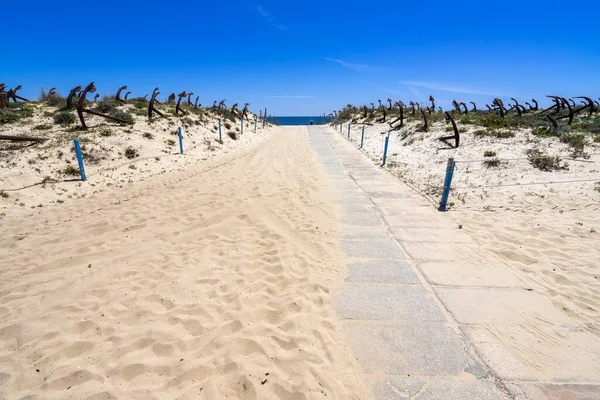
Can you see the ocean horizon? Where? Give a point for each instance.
(295, 120)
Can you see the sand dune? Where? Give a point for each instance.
(203, 284)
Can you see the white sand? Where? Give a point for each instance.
(200, 283)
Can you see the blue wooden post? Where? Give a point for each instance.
(242, 127)
(79, 159)
(362, 138)
(447, 183)
(349, 125)
(385, 148)
(180, 140)
(220, 131)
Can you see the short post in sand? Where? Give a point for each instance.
(221, 139)
(180, 140)
(447, 183)
(362, 137)
(79, 159)
(349, 125)
(385, 149)
(265, 117)
(242, 126)
(255, 123)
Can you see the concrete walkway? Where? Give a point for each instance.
(422, 304)
(406, 342)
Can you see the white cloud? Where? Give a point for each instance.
(355, 67)
(451, 88)
(269, 19)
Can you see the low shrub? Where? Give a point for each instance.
(233, 135)
(544, 162)
(494, 133)
(69, 170)
(105, 107)
(488, 153)
(125, 116)
(131, 153)
(542, 132)
(492, 163)
(577, 142)
(106, 132)
(64, 118)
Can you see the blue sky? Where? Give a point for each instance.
(305, 57)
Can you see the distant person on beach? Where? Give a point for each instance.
(310, 123)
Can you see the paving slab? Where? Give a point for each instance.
(537, 352)
(429, 251)
(357, 208)
(527, 391)
(500, 306)
(426, 234)
(415, 221)
(381, 271)
(396, 348)
(376, 247)
(383, 302)
(466, 274)
(361, 218)
(439, 388)
(361, 232)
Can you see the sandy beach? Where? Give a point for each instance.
(208, 283)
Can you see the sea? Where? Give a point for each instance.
(300, 120)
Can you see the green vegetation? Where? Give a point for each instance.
(15, 112)
(577, 142)
(131, 153)
(587, 124)
(42, 127)
(64, 118)
(106, 106)
(69, 170)
(3, 194)
(493, 121)
(233, 135)
(106, 132)
(544, 162)
(55, 100)
(542, 132)
(227, 125)
(148, 135)
(494, 133)
(466, 119)
(125, 116)
(170, 142)
(492, 163)
(489, 153)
